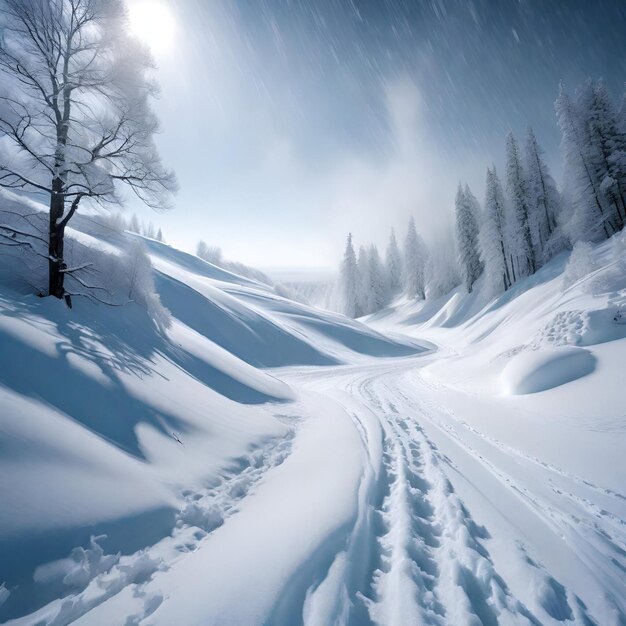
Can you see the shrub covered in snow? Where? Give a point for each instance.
(579, 265)
(612, 278)
(213, 255)
(127, 277)
(82, 566)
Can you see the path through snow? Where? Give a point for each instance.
(545, 547)
(382, 507)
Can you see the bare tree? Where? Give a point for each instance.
(75, 113)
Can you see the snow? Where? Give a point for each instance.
(530, 372)
(457, 460)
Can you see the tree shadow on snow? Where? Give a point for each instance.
(85, 357)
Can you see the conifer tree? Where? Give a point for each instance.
(544, 203)
(493, 251)
(609, 145)
(414, 263)
(591, 218)
(378, 292)
(467, 237)
(517, 223)
(134, 225)
(349, 281)
(393, 265)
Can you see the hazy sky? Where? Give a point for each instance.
(292, 122)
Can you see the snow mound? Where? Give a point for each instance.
(540, 370)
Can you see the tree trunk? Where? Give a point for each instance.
(56, 277)
(507, 277)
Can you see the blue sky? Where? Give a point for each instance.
(291, 122)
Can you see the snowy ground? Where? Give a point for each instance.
(263, 462)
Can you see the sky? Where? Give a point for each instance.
(293, 122)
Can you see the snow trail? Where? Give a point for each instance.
(202, 512)
(455, 581)
(429, 561)
(451, 526)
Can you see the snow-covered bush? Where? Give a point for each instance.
(618, 247)
(82, 566)
(612, 278)
(579, 265)
(119, 279)
(213, 255)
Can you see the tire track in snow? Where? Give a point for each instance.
(398, 583)
(403, 583)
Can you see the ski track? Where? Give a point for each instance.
(414, 554)
(428, 561)
(204, 510)
(435, 569)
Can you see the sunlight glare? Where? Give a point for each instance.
(152, 21)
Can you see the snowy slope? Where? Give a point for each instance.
(107, 422)
(263, 462)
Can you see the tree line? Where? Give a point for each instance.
(522, 223)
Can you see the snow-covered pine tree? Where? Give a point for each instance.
(545, 203)
(467, 237)
(442, 267)
(414, 263)
(378, 290)
(517, 223)
(364, 297)
(134, 226)
(393, 265)
(160, 235)
(606, 133)
(148, 230)
(349, 282)
(591, 218)
(491, 236)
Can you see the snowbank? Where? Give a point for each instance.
(530, 372)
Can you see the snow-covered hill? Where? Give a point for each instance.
(263, 462)
(570, 307)
(109, 423)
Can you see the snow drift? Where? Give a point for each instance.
(530, 372)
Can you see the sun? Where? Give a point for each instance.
(153, 22)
